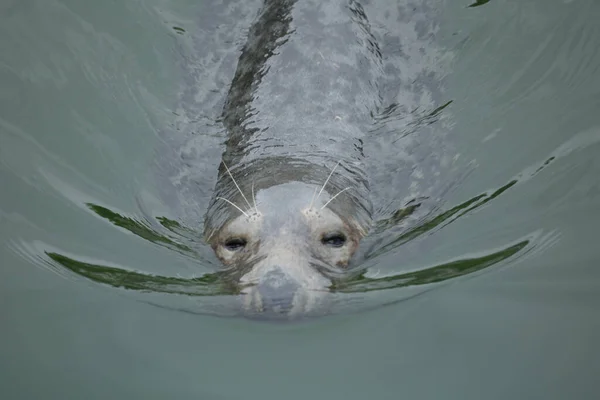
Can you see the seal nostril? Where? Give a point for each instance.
(275, 301)
(277, 293)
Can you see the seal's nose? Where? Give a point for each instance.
(277, 291)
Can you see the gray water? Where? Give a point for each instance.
(95, 121)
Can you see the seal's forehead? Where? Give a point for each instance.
(289, 196)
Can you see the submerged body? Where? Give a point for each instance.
(292, 200)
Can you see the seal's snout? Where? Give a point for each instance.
(277, 291)
(289, 290)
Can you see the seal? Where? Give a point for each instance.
(291, 201)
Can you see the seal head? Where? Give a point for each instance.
(284, 251)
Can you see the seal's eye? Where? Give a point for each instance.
(235, 244)
(335, 239)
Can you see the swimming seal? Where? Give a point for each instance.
(291, 202)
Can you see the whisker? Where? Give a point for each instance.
(242, 211)
(338, 193)
(313, 199)
(254, 198)
(212, 232)
(236, 185)
(331, 173)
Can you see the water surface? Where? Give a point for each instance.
(486, 201)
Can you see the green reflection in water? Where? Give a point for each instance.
(214, 284)
(141, 230)
(206, 285)
(429, 225)
(445, 217)
(431, 117)
(435, 274)
(478, 3)
(217, 284)
(169, 224)
(384, 224)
